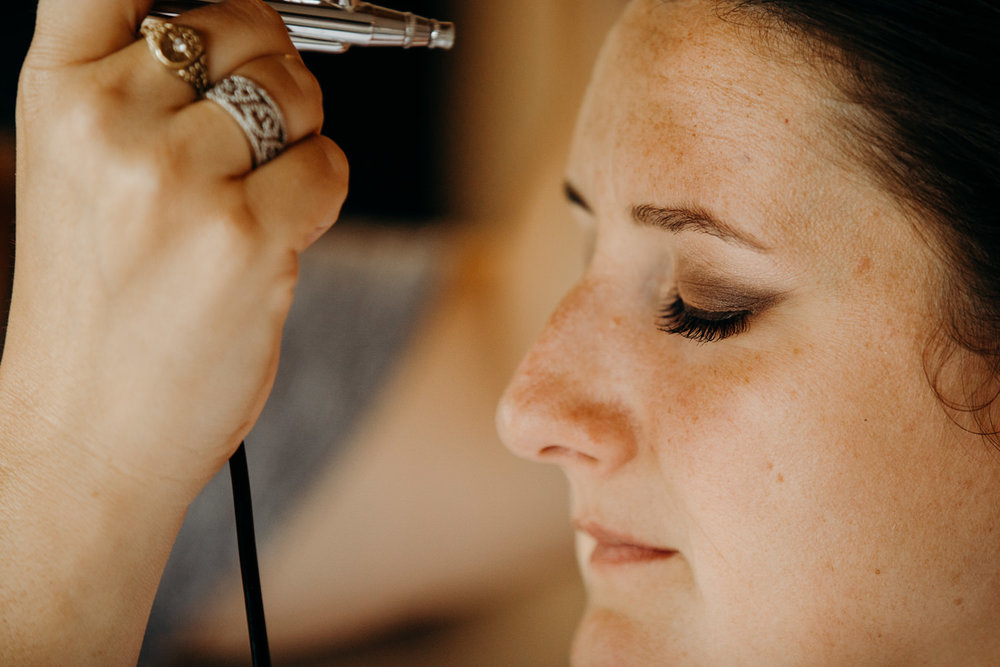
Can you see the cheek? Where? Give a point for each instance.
(758, 428)
(816, 479)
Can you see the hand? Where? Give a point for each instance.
(154, 270)
(154, 266)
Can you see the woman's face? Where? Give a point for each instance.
(735, 388)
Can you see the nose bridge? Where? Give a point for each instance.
(566, 403)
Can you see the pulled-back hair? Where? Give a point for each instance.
(926, 76)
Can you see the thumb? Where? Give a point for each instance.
(77, 31)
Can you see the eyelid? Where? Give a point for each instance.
(710, 315)
(708, 296)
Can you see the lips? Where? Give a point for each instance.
(614, 548)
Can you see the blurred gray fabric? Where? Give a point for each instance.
(356, 303)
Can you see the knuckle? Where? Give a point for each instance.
(331, 169)
(340, 169)
(229, 238)
(325, 168)
(261, 12)
(293, 87)
(259, 16)
(99, 103)
(91, 127)
(250, 258)
(90, 112)
(240, 227)
(271, 17)
(178, 151)
(307, 91)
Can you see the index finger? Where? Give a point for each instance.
(78, 31)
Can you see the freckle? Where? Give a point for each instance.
(769, 465)
(864, 265)
(796, 351)
(781, 478)
(958, 602)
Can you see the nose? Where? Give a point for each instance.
(567, 402)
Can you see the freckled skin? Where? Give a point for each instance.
(825, 509)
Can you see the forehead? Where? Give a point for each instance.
(687, 108)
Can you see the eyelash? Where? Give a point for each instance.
(676, 318)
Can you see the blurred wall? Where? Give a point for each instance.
(517, 78)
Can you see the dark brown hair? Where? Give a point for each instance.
(926, 75)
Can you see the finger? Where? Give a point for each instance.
(236, 32)
(232, 33)
(75, 31)
(221, 144)
(298, 196)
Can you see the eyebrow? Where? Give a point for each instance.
(677, 219)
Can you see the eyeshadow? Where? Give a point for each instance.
(723, 295)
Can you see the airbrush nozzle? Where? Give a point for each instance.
(392, 28)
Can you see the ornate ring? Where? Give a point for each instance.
(179, 48)
(256, 113)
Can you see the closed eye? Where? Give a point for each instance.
(703, 326)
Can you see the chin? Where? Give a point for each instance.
(607, 638)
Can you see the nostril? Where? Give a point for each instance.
(553, 450)
(558, 452)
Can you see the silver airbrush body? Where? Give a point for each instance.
(333, 26)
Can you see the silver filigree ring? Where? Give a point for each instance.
(255, 111)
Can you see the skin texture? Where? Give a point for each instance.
(823, 507)
(154, 271)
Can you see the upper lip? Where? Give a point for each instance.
(607, 537)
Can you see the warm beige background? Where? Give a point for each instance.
(516, 86)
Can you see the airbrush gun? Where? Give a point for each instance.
(333, 26)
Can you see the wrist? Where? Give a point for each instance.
(83, 544)
(101, 425)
